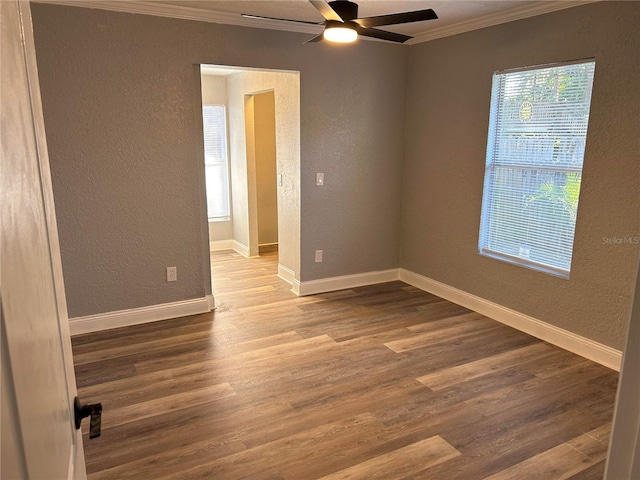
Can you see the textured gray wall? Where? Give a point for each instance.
(120, 99)
(447, 118)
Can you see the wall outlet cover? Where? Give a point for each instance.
(172, 274)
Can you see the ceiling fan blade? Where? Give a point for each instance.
(396, 18)
(326, 11)
(315, 39)
(383, 35)
(260, 17)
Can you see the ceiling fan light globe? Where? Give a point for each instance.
(340, 34)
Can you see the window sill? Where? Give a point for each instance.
(526, 263)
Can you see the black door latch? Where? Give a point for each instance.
(94, 410)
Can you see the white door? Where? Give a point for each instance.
(39, 439)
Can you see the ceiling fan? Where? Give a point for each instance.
(342, 25)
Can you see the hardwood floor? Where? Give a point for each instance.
(379, 382)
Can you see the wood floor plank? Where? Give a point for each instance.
(560, 462)
(451, 321)
(124, 386)
(171, 462)
(427, 339)
(111, 352)
(299, 456)
(408, 460)
(467, 371)
(274, 353)
(224, 420)
(594, 472)
(275, 386)
(162, 405)
(136, 337)
(137, 332)
(229, 346)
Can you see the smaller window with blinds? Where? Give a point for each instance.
(535, 149)
(215, 162)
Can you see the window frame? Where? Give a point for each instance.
(490, 187)
(221, 163)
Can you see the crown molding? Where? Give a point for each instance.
(190, 13)
(186, 13)
(518, 13)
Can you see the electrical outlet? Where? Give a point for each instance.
(318, 256)
(172, 274)
(319, 179)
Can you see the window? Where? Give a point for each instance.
(535, 148)
(215, 161)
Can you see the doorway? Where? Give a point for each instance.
(263, 138)
(260, 130)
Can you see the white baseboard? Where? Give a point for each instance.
(136, 316)
(217, 245)
(331, 284)
(602, 354)
(211, 302)
(240, 248)
(295, 286)
(286, 274)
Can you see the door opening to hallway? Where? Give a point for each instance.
(261, 127)
(257, 172)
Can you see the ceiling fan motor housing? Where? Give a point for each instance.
(345, 9)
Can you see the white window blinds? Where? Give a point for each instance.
(535, 149)
(215, 160)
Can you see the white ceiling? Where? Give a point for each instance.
(455, 16)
